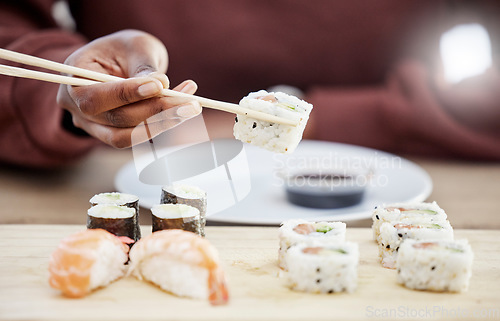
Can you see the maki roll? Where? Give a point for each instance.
(188, 195)
(323, 268)
(293, 232)
(176, 216)
(121, 199)
(274, 137)
(399, 211)
(119, 220)
(435, 265)
(394, 233)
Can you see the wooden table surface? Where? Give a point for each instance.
(257, 292)
(469, 191)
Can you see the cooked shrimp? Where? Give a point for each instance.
(87, 260)
(182, 263)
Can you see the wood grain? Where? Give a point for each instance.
(249, 255)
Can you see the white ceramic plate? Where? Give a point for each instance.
(395, 180)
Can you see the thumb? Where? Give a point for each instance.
(144, 68)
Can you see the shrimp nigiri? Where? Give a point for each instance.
(87, 260)
(182, 263)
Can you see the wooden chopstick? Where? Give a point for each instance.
(93, 77)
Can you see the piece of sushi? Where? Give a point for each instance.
(181, 263)
(120, 199)
(399, 211)
(274, 137)
(323, 268)
(119, 220)
(440, 266)
(189, 195)
(297, 231)
(86, 261)
(392, 234)
(176, 216)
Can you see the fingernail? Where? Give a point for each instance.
(188, 111)
(187, 88)
(148, 89)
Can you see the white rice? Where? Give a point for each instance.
(435, 265)
(111, 211)
(168, 211)
(175, 276)
(109, 264)
(113, 198)
(274, 137)
(323, 268)
(288, 237)
(186, 191)
(392, 234)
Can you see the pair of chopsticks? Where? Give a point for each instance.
(92, 77)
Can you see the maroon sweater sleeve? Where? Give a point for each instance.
(407, 115)
(31, 130)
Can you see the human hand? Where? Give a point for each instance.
(113, 111)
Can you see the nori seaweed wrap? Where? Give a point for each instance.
(188, 195)
(119, 220)
(176, 216)
(120, 199)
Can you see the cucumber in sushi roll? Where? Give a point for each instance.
(278, 138)
(293, 232)
(188, 195)
(323, 268)
(440, 266)
(118, 220)
(120, 199)
(176, 216)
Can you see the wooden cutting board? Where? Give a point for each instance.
(257, 292)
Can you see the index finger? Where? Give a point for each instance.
(96, 99)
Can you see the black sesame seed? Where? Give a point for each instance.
(331, 291)
(318, 281)
(318, 270)
(388, 247)
(400, 235)
(397, 248)
(254, 125)
(236, 119)
(433, 268)
(377, 217)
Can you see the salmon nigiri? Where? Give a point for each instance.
(87, 260)
(182, 263)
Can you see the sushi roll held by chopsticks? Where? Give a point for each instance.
(278, 138)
